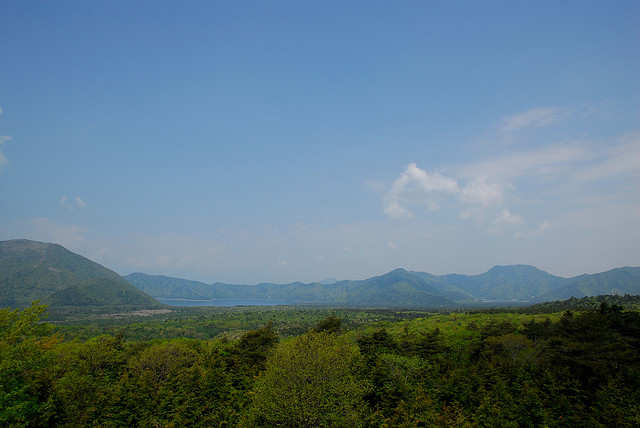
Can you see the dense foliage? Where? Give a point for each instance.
(484, 369)
(583, 303)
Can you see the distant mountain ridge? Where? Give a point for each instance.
(31, 270)
(404, 288)
(396, 288)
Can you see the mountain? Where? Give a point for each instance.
(165, 287)
(402, 288)
(31, 270)
(444, 288)
(625, 280)
(504, 283)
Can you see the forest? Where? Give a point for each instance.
(325, 367)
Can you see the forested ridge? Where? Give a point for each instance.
(458, 369)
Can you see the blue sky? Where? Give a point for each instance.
(279, 141)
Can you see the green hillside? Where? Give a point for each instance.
(31, 270)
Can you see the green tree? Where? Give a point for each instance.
(25, 365)
(377, 342)
(330, 324)
(309, 382)
(254, 346)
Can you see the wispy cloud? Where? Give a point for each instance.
(618, 159)
(583, 171)
(3, 139)
(534, 118)
(394, 210)
(504, 219)
(543, 173)
(3, 160)
(76, 203)
(79, 202)
(542, 228)
(543, 161)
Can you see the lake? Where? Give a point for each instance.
(224, 302)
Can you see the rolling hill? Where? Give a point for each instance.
(31, 270)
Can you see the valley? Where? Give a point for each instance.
(401, 349)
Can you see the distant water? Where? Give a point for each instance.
(224, 302)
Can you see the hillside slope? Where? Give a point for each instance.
(31, 270)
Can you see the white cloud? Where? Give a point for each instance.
(546, 172)
(3, 158)
(584, 173)
(479, 192)
(392, 245)
(423, 181)
(77, 203)
(542, 227)
(504, 219)
(621, 158)
(394, 210)
(534, 118)
(416, 187)
(550, 159)
(3, 139)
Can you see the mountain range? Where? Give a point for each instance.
(400, 287)
(31, 270)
